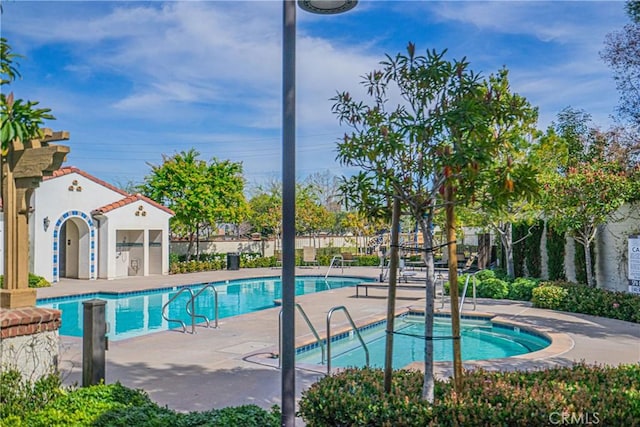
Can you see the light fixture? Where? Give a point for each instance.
(287, 356)
(46, 222)
(327, 7)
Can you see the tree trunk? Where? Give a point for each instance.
(391, 299)
(428, 386)
(506, 239)
(587, 261)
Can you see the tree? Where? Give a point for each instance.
(311, 216)
(200, 194)
(584, 198)
(19, 120)
(491, 206)
(443, 132)
(598, 175)
(622, 54)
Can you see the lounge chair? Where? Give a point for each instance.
(309, 256)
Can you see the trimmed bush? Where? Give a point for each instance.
(600, 302)
(45, 404)
(492, 288)
(34, 281)
(354, 397)
(548, 296)
(485, 274)
(521, 289)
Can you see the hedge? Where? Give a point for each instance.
(355, 397)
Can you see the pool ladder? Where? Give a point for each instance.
(321, 343)
(190, 308)
(337, 259)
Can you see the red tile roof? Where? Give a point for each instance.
(72, 169)
(132, 198)
(129, 198)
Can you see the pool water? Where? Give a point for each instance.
(140, 313)
(481, 339)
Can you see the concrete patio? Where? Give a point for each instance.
(233, 365)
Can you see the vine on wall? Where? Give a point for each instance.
(555, 254)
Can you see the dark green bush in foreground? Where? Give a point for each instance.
(45, 404)
(605, 395)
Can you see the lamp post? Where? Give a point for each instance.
(289, 190)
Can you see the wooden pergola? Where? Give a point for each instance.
(23, 167)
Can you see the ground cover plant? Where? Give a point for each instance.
(46, 403)
(582, 393)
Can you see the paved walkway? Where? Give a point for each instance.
(232, 365)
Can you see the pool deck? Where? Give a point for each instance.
(232, 365)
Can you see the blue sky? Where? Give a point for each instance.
(134, 80)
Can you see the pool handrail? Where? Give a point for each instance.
(202, 316)
(313, 331)
(355, 329)
(193, 319)
(335, 258)
(464, 292)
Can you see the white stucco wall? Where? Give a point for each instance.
(55, 198)
(90, 247)
(123, 223)
(612, 241)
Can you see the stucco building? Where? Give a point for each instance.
(85, 228)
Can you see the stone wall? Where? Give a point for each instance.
(29, 341)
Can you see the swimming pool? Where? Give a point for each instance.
(139, 313)
(481, 339)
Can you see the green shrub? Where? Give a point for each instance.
(19, 397)
(368, 260)
(548, 296)
(461, 281)
(34, 281)
(492, 288)
(600, 302)
(521, 288)
(45, 404)
(354, 397)
(485, 274)
(83, 406)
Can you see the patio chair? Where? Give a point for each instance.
(347, 259)
(309, 256)
(278, 256)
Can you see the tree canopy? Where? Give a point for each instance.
(622, 54)
(598, 175)
(199, 193)
(443, 131)
(19, 119)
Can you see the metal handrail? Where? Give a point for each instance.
(335, 258)
(193, 319)
(202, 316)
(313, 331)
(355, 329)
(464, 292)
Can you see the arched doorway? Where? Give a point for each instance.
(74, 247)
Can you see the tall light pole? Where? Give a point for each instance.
(289, 190)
